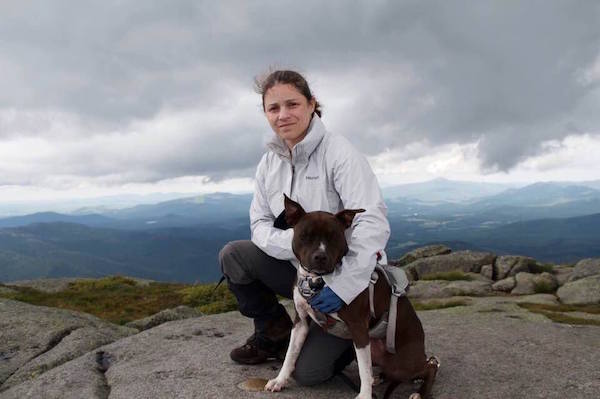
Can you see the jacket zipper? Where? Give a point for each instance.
(292, 182)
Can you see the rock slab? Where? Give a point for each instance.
(34, 339)
(581, 292)
(422, 252)
(466, 261)
(585, 268)
(178, 313)
(510, 265)
(492, 349)
(504, 285)
(445, 289)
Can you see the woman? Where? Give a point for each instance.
(321, 171)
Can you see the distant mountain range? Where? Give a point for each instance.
(536, 201)
(179, 239)
(436, 198)
(541, 194)
(204, 209)
(549, 240)
(52, 217)
(444, 191)
(449, 191)
(84, 205)
(66, 249)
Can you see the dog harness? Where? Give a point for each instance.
(386, 326)
(309, 286)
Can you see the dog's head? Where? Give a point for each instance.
(319, 242)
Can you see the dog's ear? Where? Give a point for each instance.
(293, 211)
(347, 215)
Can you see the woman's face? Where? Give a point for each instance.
(288, 112)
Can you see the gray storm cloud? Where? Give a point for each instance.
(509, 75)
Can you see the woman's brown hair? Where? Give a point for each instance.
(285, 77)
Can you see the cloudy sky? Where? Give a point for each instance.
(119, 97)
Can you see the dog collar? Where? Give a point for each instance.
(311, 272)
(309, 286)
(315, 273)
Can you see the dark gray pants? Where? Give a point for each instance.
(323, 354)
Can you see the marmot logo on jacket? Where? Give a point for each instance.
(312, 177)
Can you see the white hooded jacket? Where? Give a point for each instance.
(325, 173)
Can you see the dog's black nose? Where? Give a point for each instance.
(319, 258)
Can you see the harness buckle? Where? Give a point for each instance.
(397, 291)
(374, 277)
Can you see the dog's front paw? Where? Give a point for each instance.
(275, 385)
(415, 396)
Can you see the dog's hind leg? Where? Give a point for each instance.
(431, 368)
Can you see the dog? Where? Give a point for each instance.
(319, 244)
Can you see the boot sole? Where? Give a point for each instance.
(256, 360)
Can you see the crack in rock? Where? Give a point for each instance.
(53, 343)
(57, 339)
(103, 361)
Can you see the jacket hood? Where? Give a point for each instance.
(302, 150)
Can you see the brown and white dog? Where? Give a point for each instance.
(319, 244)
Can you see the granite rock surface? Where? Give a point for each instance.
(489, 349)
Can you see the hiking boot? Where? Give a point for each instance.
(270, 343)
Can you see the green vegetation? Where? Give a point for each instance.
(121, 300)
(593, 309)
(566, 319)
(454, 275)
(208, 300)
(539, 268)
(543, 287)
(556, 312)
(432, 305)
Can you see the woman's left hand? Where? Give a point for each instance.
(326, 301)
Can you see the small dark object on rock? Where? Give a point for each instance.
(253, 384)
(103, 360)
